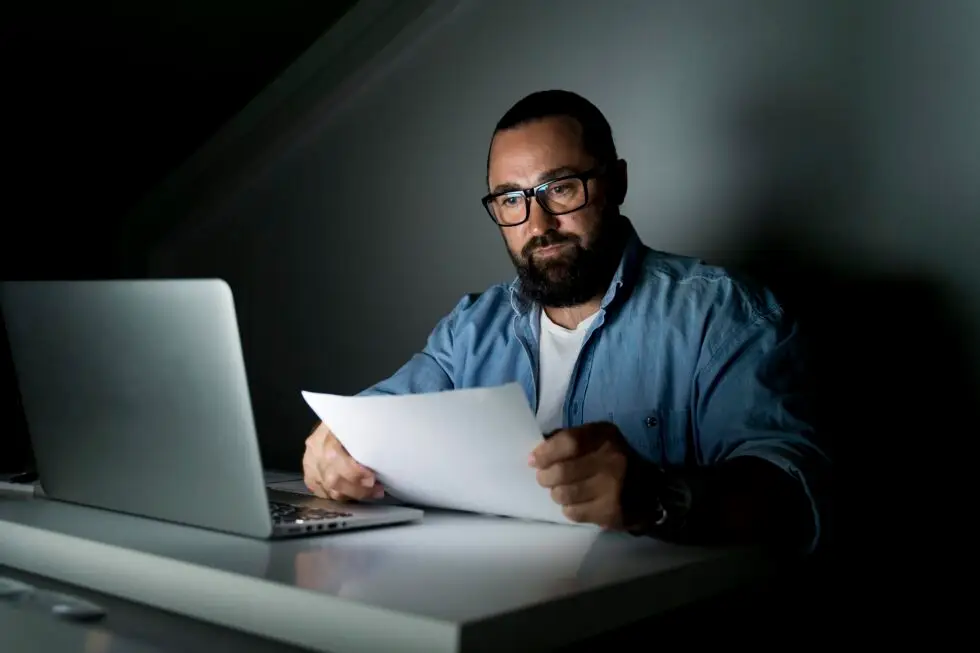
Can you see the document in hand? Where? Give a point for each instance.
(458, 449)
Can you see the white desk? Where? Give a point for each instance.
(453, 582)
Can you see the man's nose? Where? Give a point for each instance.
(540, 221)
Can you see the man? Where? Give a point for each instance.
(669, 389)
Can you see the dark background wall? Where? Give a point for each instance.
(99, 101)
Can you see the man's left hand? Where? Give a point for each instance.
(584, 468)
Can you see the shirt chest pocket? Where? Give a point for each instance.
(660, 436)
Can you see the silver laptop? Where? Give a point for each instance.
(136, 401)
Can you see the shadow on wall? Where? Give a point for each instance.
(891, 375)
(893, 389)
(891, 368)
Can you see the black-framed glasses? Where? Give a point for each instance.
(510, 208)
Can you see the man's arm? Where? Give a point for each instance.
(760, 477)
(430, 370)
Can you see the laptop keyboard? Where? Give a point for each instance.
(284, 513)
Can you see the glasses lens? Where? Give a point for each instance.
(509, 208)
(563, 195)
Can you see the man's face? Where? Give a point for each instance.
(562, 260)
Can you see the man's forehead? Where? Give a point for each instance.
(538, 137)
(523, 153)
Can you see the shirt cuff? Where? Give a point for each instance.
(810, 470)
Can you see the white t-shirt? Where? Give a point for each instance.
(558, 351)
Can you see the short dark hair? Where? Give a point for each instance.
(597, 135)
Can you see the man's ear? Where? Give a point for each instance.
(618, 183)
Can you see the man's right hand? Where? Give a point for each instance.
(330, 472)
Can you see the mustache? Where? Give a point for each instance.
(546, 239)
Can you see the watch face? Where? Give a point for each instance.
(675, 495)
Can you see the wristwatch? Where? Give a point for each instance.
(655, 501)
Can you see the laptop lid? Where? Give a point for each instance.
(136, 398)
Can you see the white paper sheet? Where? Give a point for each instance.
(459, 449)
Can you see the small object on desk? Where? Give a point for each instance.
(63, 606)
(13, 589)
(23, 477)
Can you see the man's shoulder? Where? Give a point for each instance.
(672, 276)
(494, 300)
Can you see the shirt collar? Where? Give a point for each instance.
(625, 273)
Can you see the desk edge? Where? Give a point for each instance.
(300, 617)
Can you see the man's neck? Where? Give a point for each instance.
(570, 317)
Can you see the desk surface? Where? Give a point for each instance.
(454, 582)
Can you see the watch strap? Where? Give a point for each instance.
(655, 501)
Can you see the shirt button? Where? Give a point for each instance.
(651, 421)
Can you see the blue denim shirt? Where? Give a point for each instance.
(694, 366)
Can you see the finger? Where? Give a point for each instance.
(316, 439)
(377, 493)
(590, 512)
(352, 471)
(311, 478)
(568, 471)
(335, 453)
(314, 486)
(565, 444)
(332, 480)
(600, 511)
(577, 493)
(562, 445)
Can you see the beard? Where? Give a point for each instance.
(576, 274)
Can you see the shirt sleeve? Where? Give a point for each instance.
(752, 399)
(430, 370)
